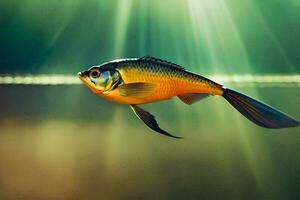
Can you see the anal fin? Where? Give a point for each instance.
(191, 98)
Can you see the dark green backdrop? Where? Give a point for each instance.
(63, 142)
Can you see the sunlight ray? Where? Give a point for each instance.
(121, 25)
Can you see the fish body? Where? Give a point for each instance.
(147, 79)
(166, 79)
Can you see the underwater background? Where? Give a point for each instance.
(63, 142)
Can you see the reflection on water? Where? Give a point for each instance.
(92, 148)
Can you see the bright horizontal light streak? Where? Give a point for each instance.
(239, 80)
(259, 80)
(39, 79)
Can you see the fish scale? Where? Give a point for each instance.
(165, 77)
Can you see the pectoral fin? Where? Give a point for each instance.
(137, 90)
(149, 120)
(191, 98)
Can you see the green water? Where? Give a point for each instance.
(63, 142)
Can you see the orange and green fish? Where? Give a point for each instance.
(144, 80)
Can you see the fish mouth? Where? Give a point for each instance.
(80, 76)
(83, 76)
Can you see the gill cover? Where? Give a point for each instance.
(106, 80)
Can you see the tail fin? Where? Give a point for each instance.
(259, 113)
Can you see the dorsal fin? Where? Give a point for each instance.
(158, 60)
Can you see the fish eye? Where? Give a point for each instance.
(95, 73)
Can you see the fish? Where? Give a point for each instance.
(136, 81)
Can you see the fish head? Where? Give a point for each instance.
(100, 79)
